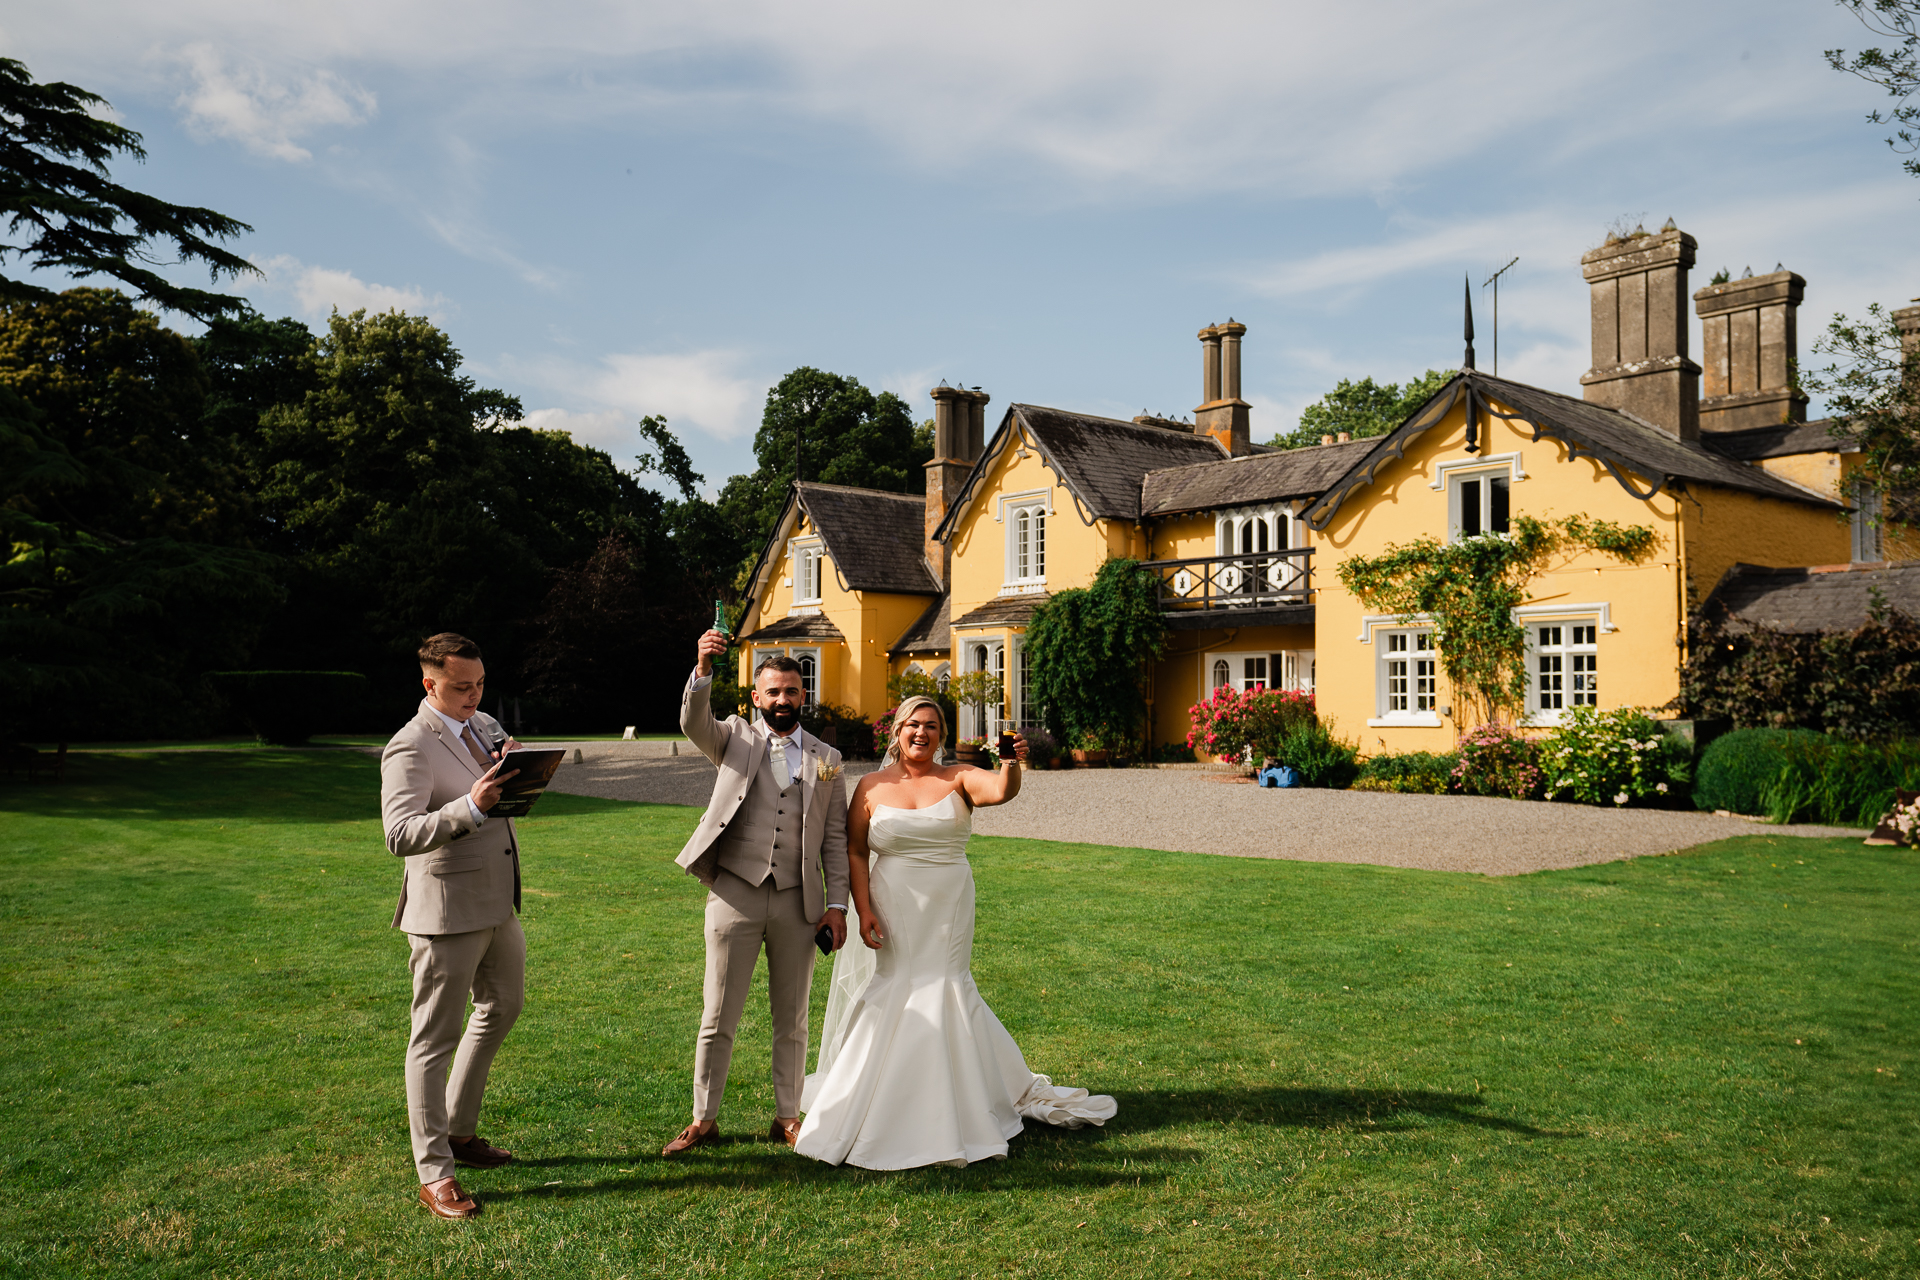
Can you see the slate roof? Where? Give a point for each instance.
(1260, 477)
(1100, 460)
(1003, 611)
(1781, 441)
(1822, 598)
(1626, 446)
(928, 634)
(799, 626)
(877, 539)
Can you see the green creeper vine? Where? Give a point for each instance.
(1471, 588)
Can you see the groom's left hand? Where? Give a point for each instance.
(836, 922)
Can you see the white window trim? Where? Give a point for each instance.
(1491, 462)
(1406, 719)
(1280, 520)
(796, 547)
(1536, 717)
(819, 672)
(1599, 609)
(1236, 673)
(1004, 509)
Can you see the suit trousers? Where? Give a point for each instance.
(740, 918)
(491, 964)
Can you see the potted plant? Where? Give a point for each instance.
(972, 751)
(1089, 750)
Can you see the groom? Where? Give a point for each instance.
(776, 824)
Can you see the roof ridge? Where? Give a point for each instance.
(850, 488)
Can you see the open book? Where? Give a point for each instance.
(518, 793)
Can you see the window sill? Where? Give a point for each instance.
(1405, 722)
(1025, 587)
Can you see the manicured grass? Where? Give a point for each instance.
(1693, 1065)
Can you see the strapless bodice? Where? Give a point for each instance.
(937, 833)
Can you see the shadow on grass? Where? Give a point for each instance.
(1379, 1110)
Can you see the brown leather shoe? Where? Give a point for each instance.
(787, 1131)
(477, 1153)
(691, 1137)
(447, 1200)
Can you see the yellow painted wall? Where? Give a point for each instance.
(1638, 660)
(1728, 527)
(1180, 678)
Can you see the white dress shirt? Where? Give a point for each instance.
(774, 743)
(458, 728)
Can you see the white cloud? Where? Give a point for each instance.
(320, 290)
(702, 389)
(265, 110)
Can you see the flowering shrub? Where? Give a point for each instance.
(1249, 726)
(1497, 760)
(1613, 757)
(1412, 772)
(1904, 820)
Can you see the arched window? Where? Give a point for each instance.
(1222, 673)
(809, 678)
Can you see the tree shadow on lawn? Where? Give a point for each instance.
(1045, 1156)
(260, 785)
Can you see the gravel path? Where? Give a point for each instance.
(1198, 812)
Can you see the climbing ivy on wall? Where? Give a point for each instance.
(1471, 588)
(1090, 650)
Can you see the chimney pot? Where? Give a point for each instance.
(1343, 437)
(1326, 439)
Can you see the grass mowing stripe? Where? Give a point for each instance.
(1693, 1064)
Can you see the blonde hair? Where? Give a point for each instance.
(903, 713)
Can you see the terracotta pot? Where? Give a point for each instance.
(1089, 759)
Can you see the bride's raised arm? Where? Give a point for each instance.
(996, 786)
(858, 816)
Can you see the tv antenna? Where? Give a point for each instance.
(1494, 280)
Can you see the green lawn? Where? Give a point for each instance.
(1690, 1066)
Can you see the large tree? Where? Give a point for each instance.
(1895, 68)
(1364, 408)
(65, 213)
(1872, 386)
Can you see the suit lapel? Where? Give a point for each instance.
(438, 728)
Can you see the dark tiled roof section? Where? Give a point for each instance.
(1259, 477)
(799, 626)
(1286, 615)
(1823, 598)
(1003, 611)
(877, 539)
(1781, 441)
(1103, 460)
(928, 634)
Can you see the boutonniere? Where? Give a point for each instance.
(828, 772)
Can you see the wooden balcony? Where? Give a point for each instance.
(1263, 588)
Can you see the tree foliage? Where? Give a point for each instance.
(1857, 684)
(1364, 408)
(65, 213)
(1895, 68)
(1470, 589)
(1872, 387)
(1091, 649)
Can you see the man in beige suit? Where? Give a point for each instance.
(775, 828)
(459, 899)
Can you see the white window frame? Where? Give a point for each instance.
(811, 697)
(1483, 478)
(1020, 684)
(1869, 530)
(1571, 652)
(808, 556)
(1037, 506)
(996, 662)
(1277, 669)
(1396, 645)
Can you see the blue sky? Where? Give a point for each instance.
(626, 208)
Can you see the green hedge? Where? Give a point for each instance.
(1736, 768)
(286, 708)
(1797, 775)
(1417, 772)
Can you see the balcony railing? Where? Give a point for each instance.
(1259, 580)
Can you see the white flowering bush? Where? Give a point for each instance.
(1616, 757)
(1905, 820)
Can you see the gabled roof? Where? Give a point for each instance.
(1823, 598)
(1101, 461)
(1625, 445)
(1260, 477)
(876, 540)
(1781, 441)
(798, 626)
(929, 632)
(1003, 611)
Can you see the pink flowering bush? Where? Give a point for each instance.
(1248, 726)
(1498, 760)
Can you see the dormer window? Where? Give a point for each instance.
(1025, 516)
(808, 558)
(1479, 503)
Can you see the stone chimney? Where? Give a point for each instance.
(1222, 413)
(959, 429)
(1640, 364)
(1749, 341)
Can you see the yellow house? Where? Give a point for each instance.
(1245, 540)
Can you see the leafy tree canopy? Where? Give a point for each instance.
(1895, 68)
(1091, 649)
(64, 213)
(1364, 408)
(1872, 387)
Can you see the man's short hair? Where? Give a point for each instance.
(435, 650)
(776, 662)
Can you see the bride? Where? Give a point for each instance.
(914, 1068)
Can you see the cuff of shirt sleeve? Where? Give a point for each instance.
(699, 681)
(479, 816)
(836, 906)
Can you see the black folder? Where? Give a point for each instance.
(517, 794)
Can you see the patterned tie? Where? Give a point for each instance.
(781, 773)
(472, 740)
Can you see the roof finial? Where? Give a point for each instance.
(1467, 285)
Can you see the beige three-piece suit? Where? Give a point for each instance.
(459, 899)
(763, 854)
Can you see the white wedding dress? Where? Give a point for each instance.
(914, 1068)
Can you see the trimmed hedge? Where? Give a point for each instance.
(1414, 772)
(286, 708)
(1737, 768)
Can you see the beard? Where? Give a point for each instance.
(783, 719)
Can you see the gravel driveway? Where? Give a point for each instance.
(1198, 812)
